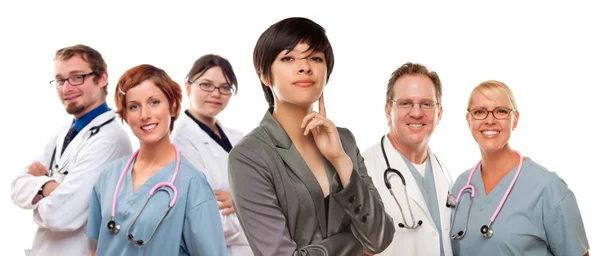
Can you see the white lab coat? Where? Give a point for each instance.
(211, 159)
(62, 216)
(424, 240)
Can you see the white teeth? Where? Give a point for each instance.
(415, 125)
(148, 127)
(490, 132)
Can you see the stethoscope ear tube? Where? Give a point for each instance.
(114, 227)
(485, 230)
(93, 131)
(387, 181)
(386, 173)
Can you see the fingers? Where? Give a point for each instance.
(221, 197)
(315, 123)
(41, 169)
(228, 211)
(308, 118)
(31, 169)
(37, 169)
(322, 105)
(225, 204)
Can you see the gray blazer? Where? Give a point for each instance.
(281, 206)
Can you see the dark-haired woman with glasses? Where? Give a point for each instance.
(206, 143)
(508, 203)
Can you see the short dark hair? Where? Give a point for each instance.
(90, 55)
(208, 61)
(285, 35)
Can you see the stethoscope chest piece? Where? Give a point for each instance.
(113, 227)
(487, 231)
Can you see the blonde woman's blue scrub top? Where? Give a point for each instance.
(540, 216)
(192, 227)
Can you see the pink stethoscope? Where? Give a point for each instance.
(112, 224)
(486, 230)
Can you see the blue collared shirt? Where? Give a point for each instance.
(87, 118)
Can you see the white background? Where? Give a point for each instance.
(547, 53)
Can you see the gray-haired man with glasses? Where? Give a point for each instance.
(414, 185)
(57, 185)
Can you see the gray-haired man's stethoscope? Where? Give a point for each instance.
(450, 201)
(55, 168)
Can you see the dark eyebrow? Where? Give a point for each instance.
(205, 80)
(210, 81)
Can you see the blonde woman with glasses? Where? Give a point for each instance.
(508, 203)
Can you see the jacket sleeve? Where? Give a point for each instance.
(67, 207)
(371, 225)
(25, 186)
(262, 219)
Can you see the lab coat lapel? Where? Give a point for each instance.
(60, 139)
(74, 146)
(442, 186)
(233, 138)
(201, 136)
(195, 134)
(414, 193)
(296, 163)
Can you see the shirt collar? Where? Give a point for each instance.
(88, 117)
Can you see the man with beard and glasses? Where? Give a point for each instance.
(58, 184)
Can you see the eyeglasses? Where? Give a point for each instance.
(74, 80)
(208, 87)
(498, 113)
(426, 105)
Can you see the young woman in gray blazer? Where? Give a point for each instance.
(299, 183)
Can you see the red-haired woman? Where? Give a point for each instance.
(153, 202)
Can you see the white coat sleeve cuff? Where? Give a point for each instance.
(25, 188)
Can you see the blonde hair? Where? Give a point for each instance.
(494, 89)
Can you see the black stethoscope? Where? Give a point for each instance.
(61, 170)
(450, 201)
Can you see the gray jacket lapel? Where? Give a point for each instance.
(296, 163)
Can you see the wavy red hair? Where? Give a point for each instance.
(138, 74)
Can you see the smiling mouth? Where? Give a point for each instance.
(416, 125)
(71, 97)
(149, 127)
(490, 132)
